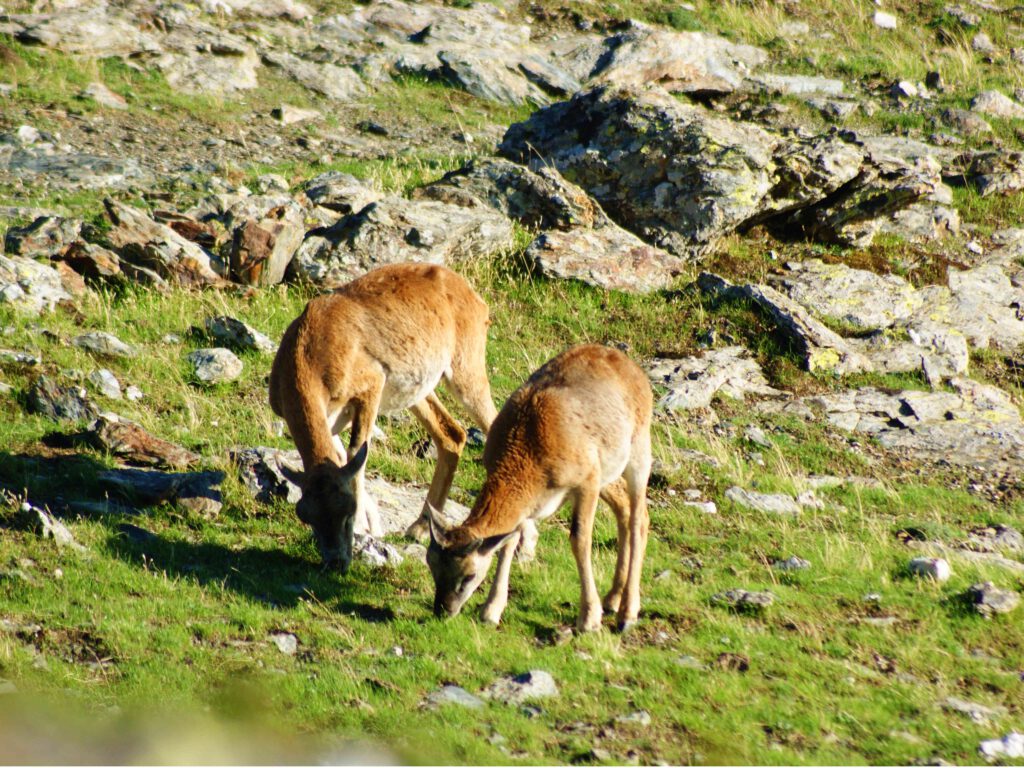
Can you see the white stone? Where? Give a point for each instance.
(931, 567)
(884, 20)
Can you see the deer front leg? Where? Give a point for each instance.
(363, 417)
(450, 438)
(494, 607)
(581, 535)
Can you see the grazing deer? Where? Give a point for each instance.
(382, 342)
(580, 427)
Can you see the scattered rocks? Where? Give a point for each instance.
(453, 694)
(694, 381)
(232, 332)
(286, 642)
(215, 366)
(744, 601)
(60, 403)
(930, 567)
(104, 344)
(535, 684)
(989, 600)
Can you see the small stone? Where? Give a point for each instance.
(930, 567)
(742, 600)
(103, 344)
(133, 393)
(376, 553)
(19, 358)
(215, 366)
(641, 717)
(26, 134)
(774, 503)
(106, 383)
(707, 507)
(58, 402)
(397, 651)
(232, 332)
(982, 43)
(534, 684)
(884, 20)
(757, 436)
(989, 599)
(103, 96)
(286, 642)
(793, 563)
(49, 527)
(976, 712)
(1011, 745)
(690, 662)
(286, 114)
(453, 694)
(905, 89)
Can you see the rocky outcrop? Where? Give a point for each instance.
(394, 230)
(693, 382)
(681, 177)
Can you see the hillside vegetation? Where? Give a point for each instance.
(185, 632)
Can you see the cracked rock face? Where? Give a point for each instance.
(681, 177)
(692, 382)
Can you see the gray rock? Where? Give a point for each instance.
(131, 443)
(640, 717)
(996, 173)
(976, 712)
(453, 694)
(106, 383)
(287, 114)
(232, 332)
(792, 563)
(707, 507)
(330, 80)
(341, 192)
(482, 75)
(49, 527)
(30, 287)
(215, 366)
(997, 104)
(770, 503)
(966, 122)
(260, 470)
(1009, 746)
(930, 567)
(797, 85)
(98, 32)
(286, 642)
(535, 684)
(982, 43)
(103, 96)
(394, 230)
(153, 246)
(375, 552)
(58, 402)
(822, 348)
(744, 601)
(46, 236)
(756, 435)
(266, 231)
(14, 357)
(694, 381)
(884, 20)
(996, 538)
(989, 600)
(104, 344)
(144, 487)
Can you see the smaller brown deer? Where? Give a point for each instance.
(379, 344)
(579, 427)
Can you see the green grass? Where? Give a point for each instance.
(188, 613)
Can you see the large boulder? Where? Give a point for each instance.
(394, 230)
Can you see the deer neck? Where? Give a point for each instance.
(503, 504)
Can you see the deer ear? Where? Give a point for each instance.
(438, 532)
(358, 461)
(491, 543)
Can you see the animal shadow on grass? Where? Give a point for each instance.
(269, 576)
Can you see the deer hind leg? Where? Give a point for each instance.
(617, 497)
(636, 475)
(581, 537)
(450, 439)
(498, 598)
(364, 414)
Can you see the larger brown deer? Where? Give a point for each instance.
(579, 427)
(379, 344)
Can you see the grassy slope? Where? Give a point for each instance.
(187, 614)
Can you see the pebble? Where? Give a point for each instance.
(535, 684)
(215, 366)
(286, 642)
(742, 600)
(640, 717)
(1011, 745)
(103, 343)
(792, 563)
(989, 600)
(930, 567)
(453, 694)
(133, 393)
(905, 89)
(106, 383)
(884, 20)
